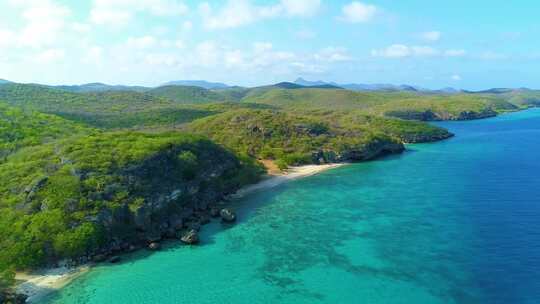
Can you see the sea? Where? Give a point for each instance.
(456, 221)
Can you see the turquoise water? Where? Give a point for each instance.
(451, 222)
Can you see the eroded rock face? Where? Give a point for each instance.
(227, 215)
(191, 237)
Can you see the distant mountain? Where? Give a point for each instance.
(198, 83)
(493, 91)
(301, 81)
(3, 81)
(100, 87)
(380, 87)
(188, 94)
(294, 85)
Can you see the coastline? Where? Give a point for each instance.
(40, 283)
(273, 180)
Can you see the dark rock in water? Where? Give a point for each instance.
(214, 212)
(227, 215)
(98, 258)
(114, 259)
(154, 246)
(191, 237)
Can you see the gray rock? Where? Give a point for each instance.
(154, 246)
(191, 237)
(227, 215)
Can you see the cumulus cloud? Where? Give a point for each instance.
(45, 21)
(49, 56)
(402, 51)
(358, 12)
(431, 36)
(143, 42)
(94, 55)
(455, 77)
(120, 12)
(333, 54)
(490, 55)
(7, 38)
(455, 53)
(304, 8)
(236, 13)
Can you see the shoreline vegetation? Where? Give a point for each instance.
(87, 176)
(42, 282)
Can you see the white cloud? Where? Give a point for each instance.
(431, 36)
(455, 77)
(120, 12)
(187, 26)
(333, 54)
(49, 56)
(81, 27)
(455, 53)
(7, 38)
(358, 12)
(401, 51)
(143, 42)
(490, 55)
(236, 13)
(94, 55)
(45, 21)
(179, 44)
(304, 8)
(393, 51)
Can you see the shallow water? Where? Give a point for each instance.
(451, 222)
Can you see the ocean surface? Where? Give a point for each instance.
(456, 221)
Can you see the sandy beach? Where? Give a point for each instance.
(40, 283)
(291, 173)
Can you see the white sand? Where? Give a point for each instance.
(40, 283)
(290, 174)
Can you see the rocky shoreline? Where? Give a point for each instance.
(185, 230)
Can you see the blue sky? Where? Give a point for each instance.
(465, 44)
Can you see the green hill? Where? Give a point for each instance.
(111, 109)
(20, 128)
(294, 139)
(188, 94)
(82, 196)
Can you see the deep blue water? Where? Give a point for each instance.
(456, 221)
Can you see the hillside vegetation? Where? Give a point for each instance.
(73, 197)
(70, 188)
(295, 139)
(110, 109)
(20, 128)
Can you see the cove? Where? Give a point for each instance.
(456, 221)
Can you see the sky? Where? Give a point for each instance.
(463, 44)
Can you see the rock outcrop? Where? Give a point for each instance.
(191, 237)
(227, 215)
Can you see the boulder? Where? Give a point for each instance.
(114, 259)
(191, 237)
(227, 215)
(154, 246)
